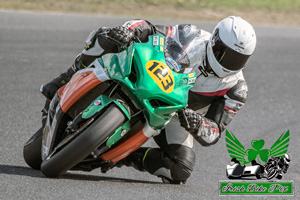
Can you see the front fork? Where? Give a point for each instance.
(55, 114)
(45, 112)
(49, 123)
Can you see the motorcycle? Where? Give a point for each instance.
(273, 170)
(108, 110)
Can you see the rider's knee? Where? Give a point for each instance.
(176, 162)
(183, 162)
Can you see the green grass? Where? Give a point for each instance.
(88, 5)
(284, 12)
(270, 5)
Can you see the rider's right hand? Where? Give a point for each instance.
(190, 120)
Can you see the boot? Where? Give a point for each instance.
(134, 160)
(49, 89)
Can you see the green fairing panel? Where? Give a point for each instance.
(99, 103)
(155, 80)
(119, 133)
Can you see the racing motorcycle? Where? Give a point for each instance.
(109, 110)
(274, 169)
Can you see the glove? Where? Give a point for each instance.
(189, 120)
(192, 122)
(122, 36)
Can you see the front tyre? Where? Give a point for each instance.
(81, 146)
(32, 150)
(272, 173)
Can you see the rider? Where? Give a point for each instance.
(280, 163)
(219, 92)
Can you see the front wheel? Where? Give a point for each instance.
(32, 150)
(81, 146)
(272, 173)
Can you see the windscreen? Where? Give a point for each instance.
(186, 52)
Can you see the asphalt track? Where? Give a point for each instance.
(36, 47)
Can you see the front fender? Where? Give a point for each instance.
(100, 103)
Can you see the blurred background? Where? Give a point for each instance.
(267, 12)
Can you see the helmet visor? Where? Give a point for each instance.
(227, 57)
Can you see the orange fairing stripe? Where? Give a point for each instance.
(125, 148)
(60, 91)
(79, 85)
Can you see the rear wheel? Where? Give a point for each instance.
(82, 145)
(32, 150)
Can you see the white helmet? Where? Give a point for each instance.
(231, 44)
(287, 158)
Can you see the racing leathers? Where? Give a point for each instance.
(215, 100)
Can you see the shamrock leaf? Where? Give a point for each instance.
(258, 144)
(252, 154)
(264, 154)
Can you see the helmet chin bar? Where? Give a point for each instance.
(219, 70)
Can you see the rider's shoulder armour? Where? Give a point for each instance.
(239, 92)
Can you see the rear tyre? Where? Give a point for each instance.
(81, 146)
(32, 150)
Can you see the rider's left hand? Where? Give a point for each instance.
(122, 35)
